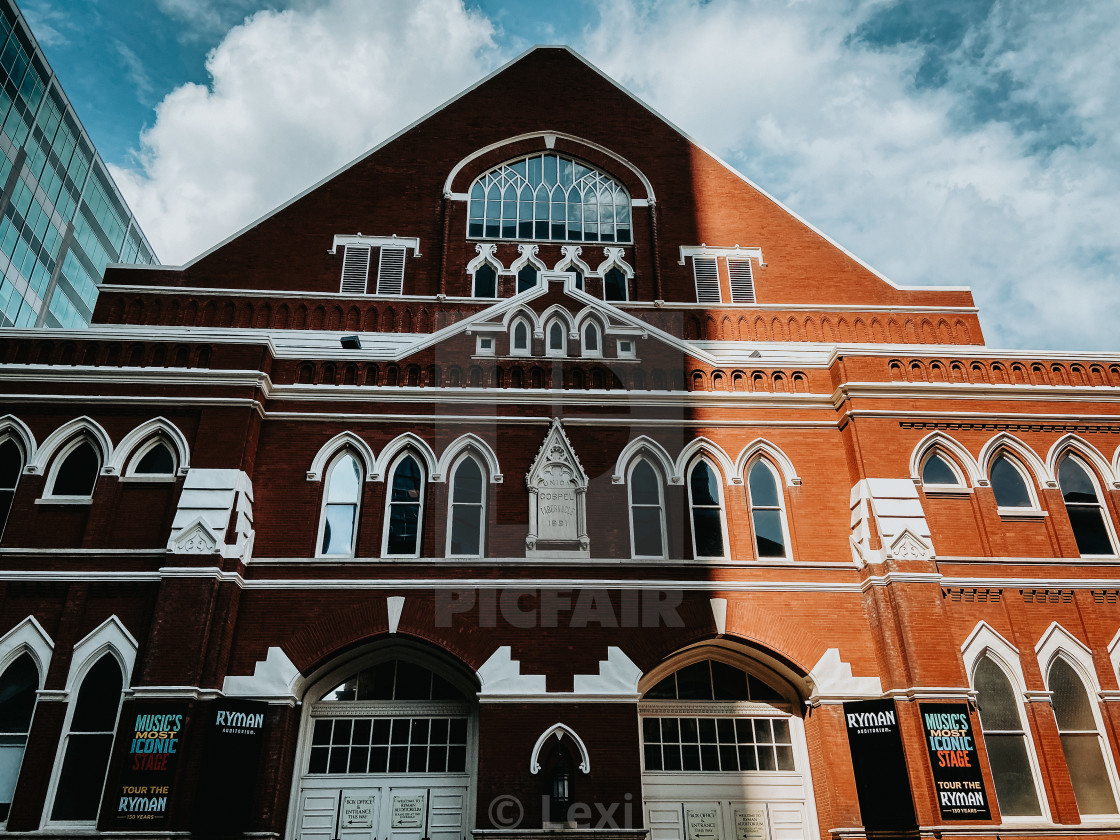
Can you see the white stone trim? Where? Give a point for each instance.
(704, 446)
(644, 447)
(393, 241)
(341, 441)
(401, 443)
(559, 730)
(761, 448)
(527, 255)
(832, 679)
(1038, 473)
(27, 637)
(111, 636)
(501, 674)
(959, 457)
(128, 453)
(471, 443)
(11, 427)
(570, 256)
(1071, 443)
(487, 253)
(737, 252)
(63, 435)
(1114, 654)
(394, 607)
(274, 677)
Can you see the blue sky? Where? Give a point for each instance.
(966, 142)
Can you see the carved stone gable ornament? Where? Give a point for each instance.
(557, 500)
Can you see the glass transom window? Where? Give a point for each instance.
(548, 196)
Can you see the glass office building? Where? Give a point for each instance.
(62, 219)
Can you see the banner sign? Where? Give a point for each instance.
(955, 761)
(879, 762)
(146, 770)
(224, 802)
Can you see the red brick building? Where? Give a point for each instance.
(538, 474)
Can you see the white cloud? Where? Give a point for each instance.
(294, 95)
(839, 132)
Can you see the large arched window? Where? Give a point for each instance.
(767, 514)
(1009, 484)
(11, 466)
(1006, 740)
(552, 197)
(338, 526)
(17, 704)
(405, 516)
(467, 527)
(87, 743)
(1081, 740)
(647, 511)
(74, 472)
(1083, 504)
(706, 501)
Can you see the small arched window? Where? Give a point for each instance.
(466, 530)
(406, 509)
(519, 344)
(557, 339)
(647, 511)
(706, 501)
(1081, 740)
(157, 460)
(485, 281)
(338, 528)
(11, 466)
(87, 743)
(17, 704)
(592, 345)
(1083, 504)
(767, 514)
(938, 471)
(1006, 740)
(527, 278)
(614, 285)
(1009, 484)
(75, 473)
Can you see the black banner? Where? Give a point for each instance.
(227, 781)
(957, 776)
(882, 783)
(145, 773)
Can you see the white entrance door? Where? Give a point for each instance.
(385, 809)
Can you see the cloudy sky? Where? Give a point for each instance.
(967, 142)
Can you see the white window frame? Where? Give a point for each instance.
(950, 463)
(706, 295)
(779, 486)
(390, 476)
(562, 353)
(391, 283)
(722, 508)
(597, 353)
(624, 353)
(483, 505)
(355, 268)
(56, 464)
(1109, 527)
(485, 345)
(142, 450)
(661, 508)
(1034, 509)
(326, 484)
(514, 350)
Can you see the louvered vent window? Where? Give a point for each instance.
(355, 269)
(707, 280)
(742, 281)
(390, 271)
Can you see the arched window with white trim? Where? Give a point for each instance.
(11, 467)
(466, 530)
(556, 339)
(521, 338)
(1010, 483)
(647, 510)
(1005, 736)
(87, 742)
(615, 285)
(1081, 740)
(1083, 505)
(405, 515)
(74, 471)
(592, 340)
(768, 516)
(549, 197)
(338, 524)
(18, 685)
(485, 281)
(939, 471)
(705, 498)
(527, 277)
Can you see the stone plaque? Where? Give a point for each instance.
(408, 811)
(701, 823)
(557, 499)
(556, 504)
(357, 811)
(751, 823)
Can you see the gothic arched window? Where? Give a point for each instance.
(11, 465)
(468, 510)
(1083, 505)
(404, 519)
(647, 511)
(706, 502)
(1081, 740)
(338, 530)
(1009, 484)
(17, 704)
(767, 514)
(549, 196)
(75, 471)
(1006, 740)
